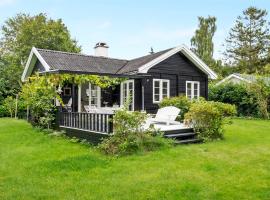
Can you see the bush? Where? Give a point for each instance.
(3, 111)
(129, 137)
(261, 91)
(180, 102)
(207, 118)
(238, 95)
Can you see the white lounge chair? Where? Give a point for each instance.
(165, 115)
(68, 105)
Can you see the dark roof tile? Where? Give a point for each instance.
(65, 61)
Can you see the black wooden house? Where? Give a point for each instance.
(171, 72)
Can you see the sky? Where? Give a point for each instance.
(131, 28)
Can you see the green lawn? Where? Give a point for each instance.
(36, 166)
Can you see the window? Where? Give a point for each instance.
(161, 89)
(193, 89)
(127, 92)
(94, 95)
(67, 91)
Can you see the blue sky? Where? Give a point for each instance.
(131, 27)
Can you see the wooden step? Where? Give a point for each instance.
(188, 141)
(179, 135)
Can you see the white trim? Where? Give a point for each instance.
(160, 89)
(30, 65)
(103, 133)
(233, 76)
(122, 94)
(79, 98)
(142, 98)
(98, 95)
(192, 89)
(187, 52)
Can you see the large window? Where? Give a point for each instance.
(193, 89)
(127, 93)
(94, 95)
(161, 89)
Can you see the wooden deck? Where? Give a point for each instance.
(93, 127)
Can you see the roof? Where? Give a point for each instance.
(248, 78)
(133, 64)
(59, 60)
(75, 62)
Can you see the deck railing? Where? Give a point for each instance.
(95, 122)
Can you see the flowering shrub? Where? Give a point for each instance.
(129, 136)
(208, 117)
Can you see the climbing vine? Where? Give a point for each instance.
(39, 93)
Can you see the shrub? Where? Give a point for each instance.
(261, 91)
(9, 104)
(238, 95)
(129, 136)
(180, 102)
(3, 111)
(208, 117)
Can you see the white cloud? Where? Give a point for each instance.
(6, 2)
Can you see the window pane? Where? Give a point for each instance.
(156, 97)
(195, 85)
(164, 84)
(188, 85)
(156, 91)
(156, 84)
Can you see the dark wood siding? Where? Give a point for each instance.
(178, 69)
(38, 67)
(137, 94)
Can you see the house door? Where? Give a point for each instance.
(94, 96)
(127, 93)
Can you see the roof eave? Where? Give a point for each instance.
(30, 65)
(187, 52)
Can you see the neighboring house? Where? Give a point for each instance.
(172, 72)
(237, 78)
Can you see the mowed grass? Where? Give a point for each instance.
(34, 165)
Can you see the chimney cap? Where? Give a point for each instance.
(101, 44)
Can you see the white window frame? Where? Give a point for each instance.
(161, 89)
(98, 96)
(192, 89)
(122, 93)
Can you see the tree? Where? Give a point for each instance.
(248, 41)
(20, 34)
(202, 42)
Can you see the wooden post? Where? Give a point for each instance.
(79, 97)
(16, 106)
(27, 113)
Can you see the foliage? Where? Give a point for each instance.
(261, 90)
(248, 41)
(202, 42)
(180, 102)
(10, 105)
(22, 32)
(208, 117)
(19, 35)
(129, 136)
(3, 111)
(236, 94)
(39, 93)
(9, 82)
